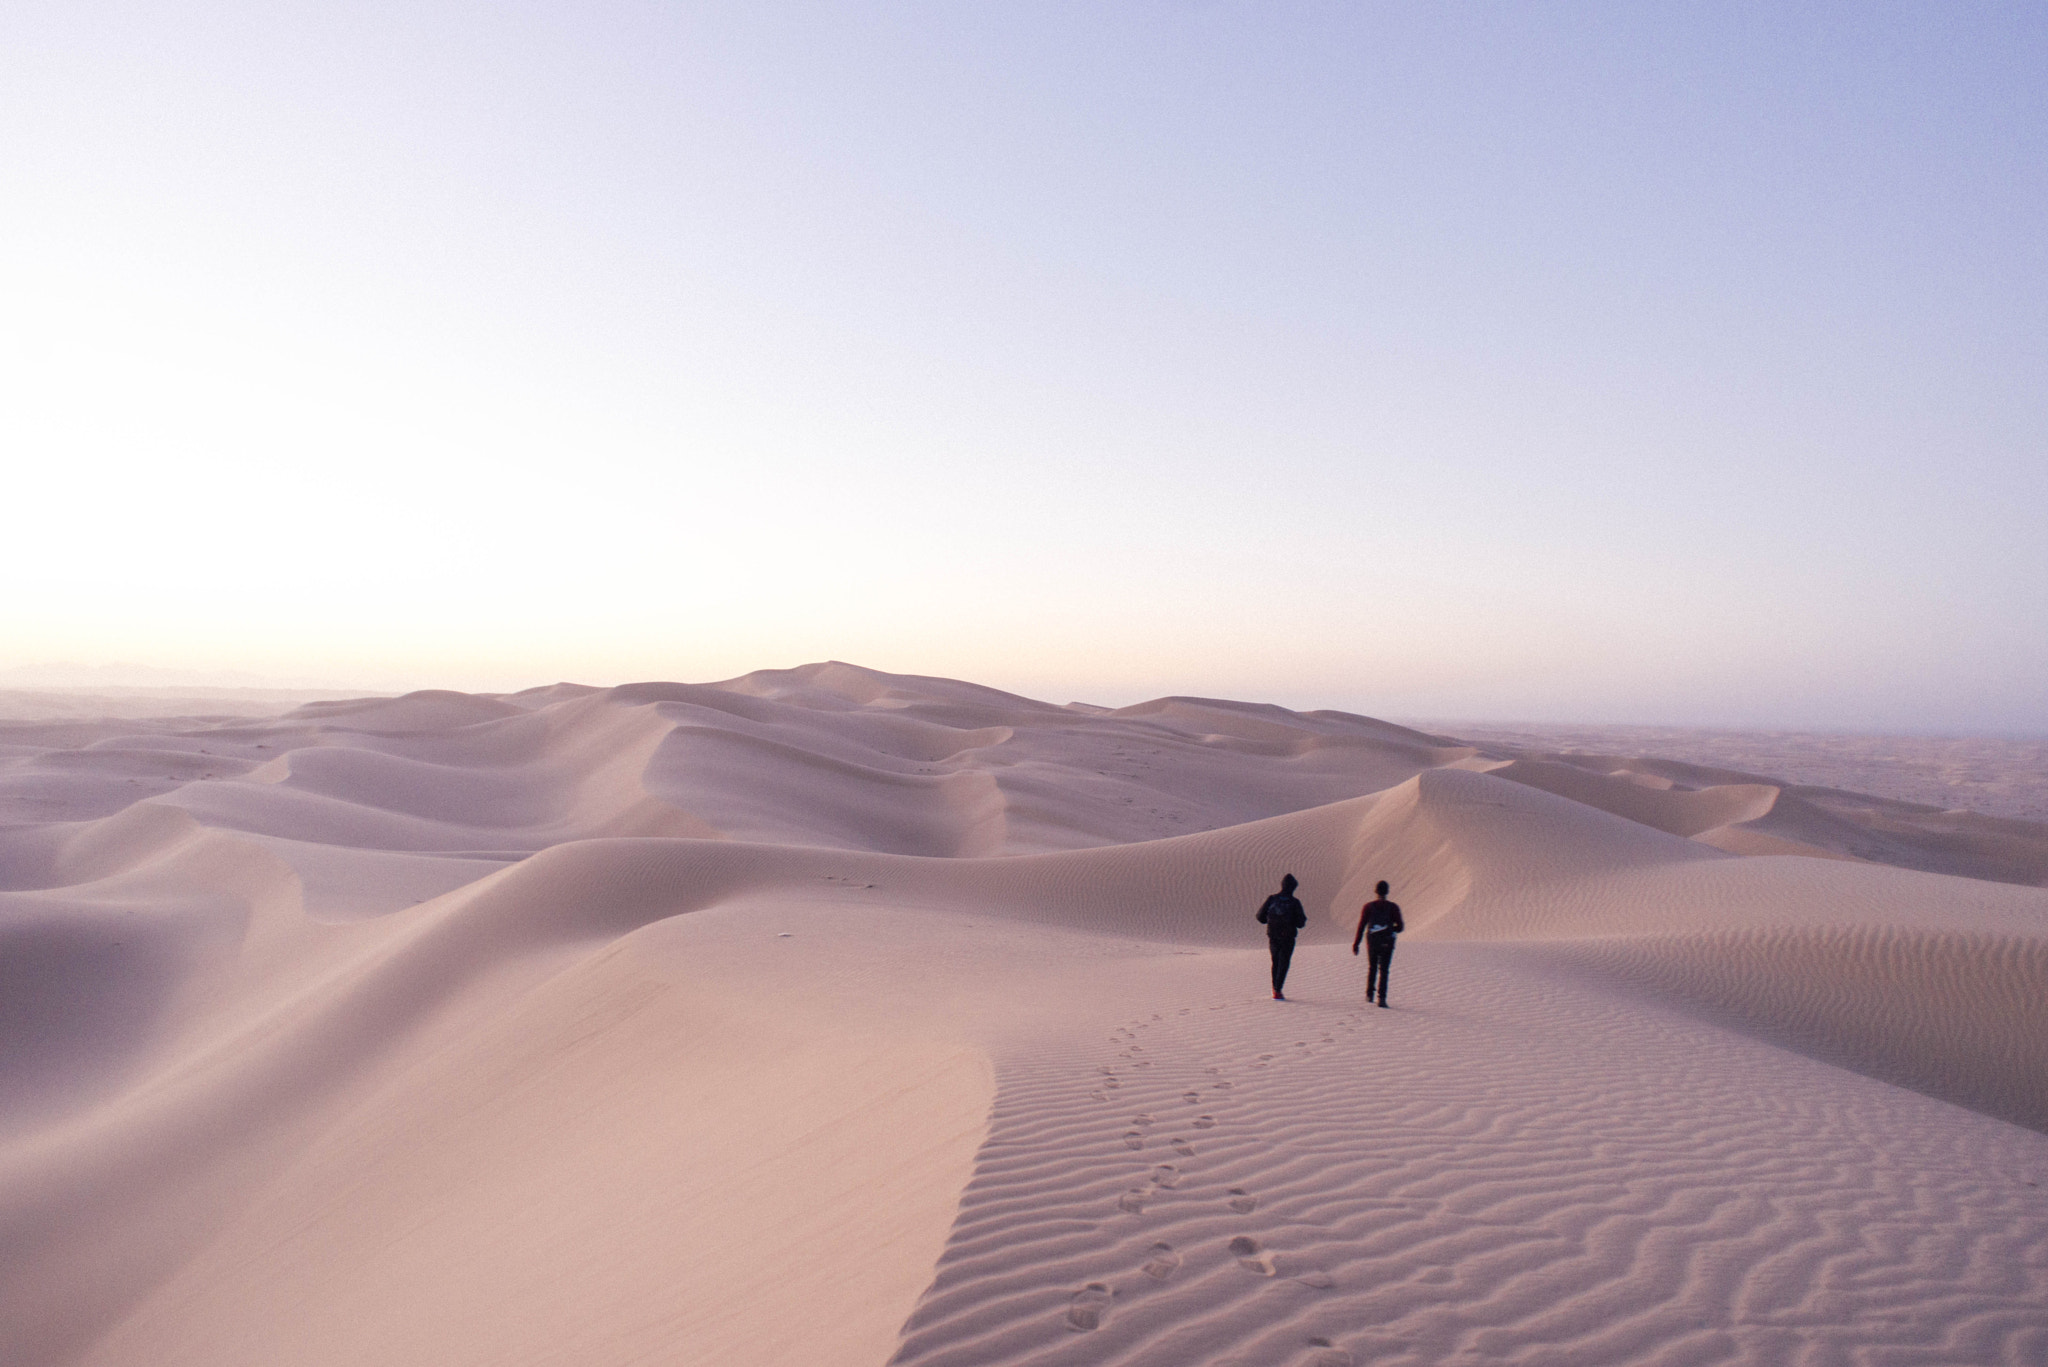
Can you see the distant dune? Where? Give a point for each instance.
(830, 1016)
(136, 704)
(1996, 776)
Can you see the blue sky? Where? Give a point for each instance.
(1645, 363)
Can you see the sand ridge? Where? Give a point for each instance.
(619, 1025)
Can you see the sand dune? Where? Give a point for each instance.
(832, 1016)
(1991, 776)
(1747, 813)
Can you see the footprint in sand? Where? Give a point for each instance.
(1205, 1122)
(1099, 1095)
(1329, 1354)
(1163, 1263)
(1182, 1147)
(1134, 1140)
(1242, 1201)
(1166, 1176)
(1087, 1307)
(1223, 1086)
(1192, 1098)
(1141, 1120)
(1111, 1082)
(1132, 1202)
(1250, 1257)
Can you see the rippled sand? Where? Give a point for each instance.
(831, 1016)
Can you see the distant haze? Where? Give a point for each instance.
(1632, 363)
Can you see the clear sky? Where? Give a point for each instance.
(1648, 362)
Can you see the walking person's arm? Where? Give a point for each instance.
(1361, 929)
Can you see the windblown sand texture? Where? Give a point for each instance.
(1994, 776)
(827, 1016)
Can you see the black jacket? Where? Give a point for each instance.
(1283, 916)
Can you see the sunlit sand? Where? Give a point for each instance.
(829, 1016)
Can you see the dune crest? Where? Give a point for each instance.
(831, 1015)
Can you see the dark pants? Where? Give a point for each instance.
(1283, 955)
(1379, 953)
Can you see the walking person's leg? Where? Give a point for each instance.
(1283, 955)
(1383, 960)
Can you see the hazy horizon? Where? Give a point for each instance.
(128, 678)
(1584, 363)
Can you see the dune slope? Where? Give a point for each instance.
(828, 1015)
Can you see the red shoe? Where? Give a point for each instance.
(1278, 998)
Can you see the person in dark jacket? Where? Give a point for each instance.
(1379, 921)
(1283, 918)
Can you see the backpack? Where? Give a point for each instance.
(1279, 915)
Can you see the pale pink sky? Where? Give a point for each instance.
(1595, 362)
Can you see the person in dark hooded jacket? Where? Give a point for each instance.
(1283, 918)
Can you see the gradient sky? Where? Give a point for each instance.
(1636, 363)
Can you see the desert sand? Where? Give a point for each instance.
(1995, 776)
(825, 1016)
